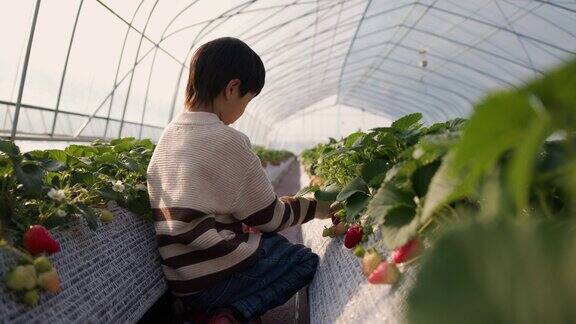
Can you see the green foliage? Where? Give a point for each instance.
(506, 135)
(513, 261)
(499, 272)
(493, 196)
(274, 157)
(384, 173)
(51, 187)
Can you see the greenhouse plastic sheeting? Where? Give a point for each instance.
(84, 69)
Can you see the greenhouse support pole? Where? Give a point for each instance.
(65, 68)
(24, 70)
(143, 35)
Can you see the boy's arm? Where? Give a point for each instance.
(258, 206)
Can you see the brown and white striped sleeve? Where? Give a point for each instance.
(258, 206)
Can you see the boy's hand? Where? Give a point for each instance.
(248, 229)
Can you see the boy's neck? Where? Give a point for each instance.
(204, 109)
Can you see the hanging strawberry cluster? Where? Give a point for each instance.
(34, 271)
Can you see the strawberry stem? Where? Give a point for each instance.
(413, 260)
(543, 204)
(16, 252)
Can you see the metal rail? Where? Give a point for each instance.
(25, 70)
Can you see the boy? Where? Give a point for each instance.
(205, 183)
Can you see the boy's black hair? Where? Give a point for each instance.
(217, 62)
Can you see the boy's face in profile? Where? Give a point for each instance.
(230, 103)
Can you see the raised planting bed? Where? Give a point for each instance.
(111, 274)
(340, 292)
(275, 172)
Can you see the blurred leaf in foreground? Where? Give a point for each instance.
(498, 273)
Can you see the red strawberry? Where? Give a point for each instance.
(407, 251)
(370, 262)
(38, 240)
(385, 273)
(353, 236)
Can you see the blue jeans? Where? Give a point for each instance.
(281, 271)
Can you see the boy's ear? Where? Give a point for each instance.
(232, 88)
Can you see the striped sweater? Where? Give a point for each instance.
(204, 183)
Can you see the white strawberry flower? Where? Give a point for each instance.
(57, 195)
(61, 213)
(118, 186)
(141, 186)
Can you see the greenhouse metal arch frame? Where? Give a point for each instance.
(438, 56)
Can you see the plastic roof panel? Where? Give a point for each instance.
(102, 68)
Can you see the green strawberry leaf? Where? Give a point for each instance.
(521, 168)
(399, 216)
(353, 138)
(123, 144)
(30, 175)
(109, 194)
(81, 150)
(327, 194)
(129, 163)
(353, 187)
(400, 225)
(306, 190)
(373, 172)
(82, 177)
(139, 204)
(355, 204)
(473, 270)
(53, 165)
(89, 215)
(407, 122)
(9, 148)
(422, 177)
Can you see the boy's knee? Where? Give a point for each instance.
(312, 260)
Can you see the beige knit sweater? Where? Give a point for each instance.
(204, 182)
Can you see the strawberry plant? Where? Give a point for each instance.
(45, 189)
(512, 260)
(514, 159)
(50, 187)
(381, 176)
(273, 157)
